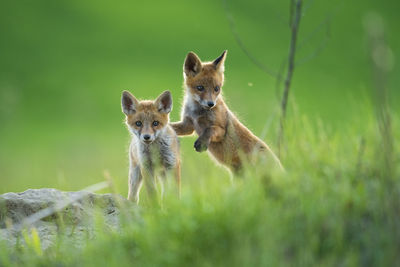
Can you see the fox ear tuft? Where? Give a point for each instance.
(219, 62)
(164, 102)
(129, 103)
(192, 64)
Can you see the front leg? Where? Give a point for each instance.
(135, 183)
(151, 186)
(177, 173)
(184, 127)
(218, 134)
(210, 134)
(174, 172)
(201, 144)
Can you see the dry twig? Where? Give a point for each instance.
(296, 17)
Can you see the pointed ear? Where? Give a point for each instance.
(220, 61)
(129, 103)
(192, 64)
(164, 102)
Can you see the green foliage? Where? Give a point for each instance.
(331, 207)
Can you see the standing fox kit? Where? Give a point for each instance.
(154, 148)
(205, 112)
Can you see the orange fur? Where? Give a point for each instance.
(154, 148)
(205, 112)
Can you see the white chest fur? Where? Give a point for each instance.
(159, 152)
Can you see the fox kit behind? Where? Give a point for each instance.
(205, 112)
(154, 149)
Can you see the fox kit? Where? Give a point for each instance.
(205, 112)
(154, 148)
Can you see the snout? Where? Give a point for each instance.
(208, 104)
(147, 138)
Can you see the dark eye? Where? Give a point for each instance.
(216, 89)
(155, 123)
(200, 87)
(138, 123)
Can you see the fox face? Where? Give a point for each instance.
(204, 80)
(146, 119)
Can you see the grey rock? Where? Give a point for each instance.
(70, 214)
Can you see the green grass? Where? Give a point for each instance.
(333, 206)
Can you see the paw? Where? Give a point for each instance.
(134, 199)
(200, 145)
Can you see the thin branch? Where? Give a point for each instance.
(242, 46)
(291, 65)
(382, 62)
(325, 24)
(318, 49)
(279, 79)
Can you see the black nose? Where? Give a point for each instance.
(210, 104)
(146, 137)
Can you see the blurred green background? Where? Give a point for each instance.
(63, 65)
